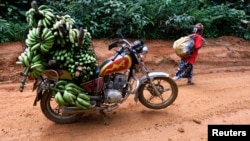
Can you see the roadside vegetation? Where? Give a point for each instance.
(148, 19)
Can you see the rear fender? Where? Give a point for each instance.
(152, 75)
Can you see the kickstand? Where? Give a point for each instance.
(105, 117)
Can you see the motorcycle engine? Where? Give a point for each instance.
(115, 85)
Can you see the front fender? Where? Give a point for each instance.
(143, 79)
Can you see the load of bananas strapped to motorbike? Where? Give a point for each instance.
(54, 38)
(68, 80)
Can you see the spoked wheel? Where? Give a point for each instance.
(53, 111)
(168, 92)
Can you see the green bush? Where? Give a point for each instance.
(162, 19)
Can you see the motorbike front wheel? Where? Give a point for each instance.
(53, 111)
(168, 92)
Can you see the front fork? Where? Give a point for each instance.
(37, 86)
(40, 85)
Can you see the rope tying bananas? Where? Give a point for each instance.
(55, 37)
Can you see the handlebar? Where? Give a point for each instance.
(120, 41)
(132, 47)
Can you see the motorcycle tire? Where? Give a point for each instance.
(52, 110)
(168, 93)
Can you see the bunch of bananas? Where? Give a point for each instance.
(68, 36)
(32, 61)
(41, 39)
(85, 64)
(71, 94)
(40, 16)
(55, 37)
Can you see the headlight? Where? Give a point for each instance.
(144, 52)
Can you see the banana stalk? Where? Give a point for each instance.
(26, 71)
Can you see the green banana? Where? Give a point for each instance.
(83, 102)
(35, 74)
(25, 60)
(72, 90)
(49, 15)
(75, 86)
(78, 104)
(84, 96)
(29, 43)
(35, 65)
(68, 98)
(36, 58)
(44, 49)
(39, 69)
(59, 99)
(35, 46)
(61, 87)
(61, 82)
(43, 7)
(20, 58)
(19, 62)
(46, 33)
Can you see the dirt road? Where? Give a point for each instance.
(221, 95)
(221, 98)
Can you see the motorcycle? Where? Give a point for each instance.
(110, 85)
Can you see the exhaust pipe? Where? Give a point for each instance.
(73, 110)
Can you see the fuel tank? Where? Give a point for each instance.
(121, 63)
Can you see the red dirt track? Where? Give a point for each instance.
(221, 95)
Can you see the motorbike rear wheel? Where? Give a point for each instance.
(166, 87)
(53, 111)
